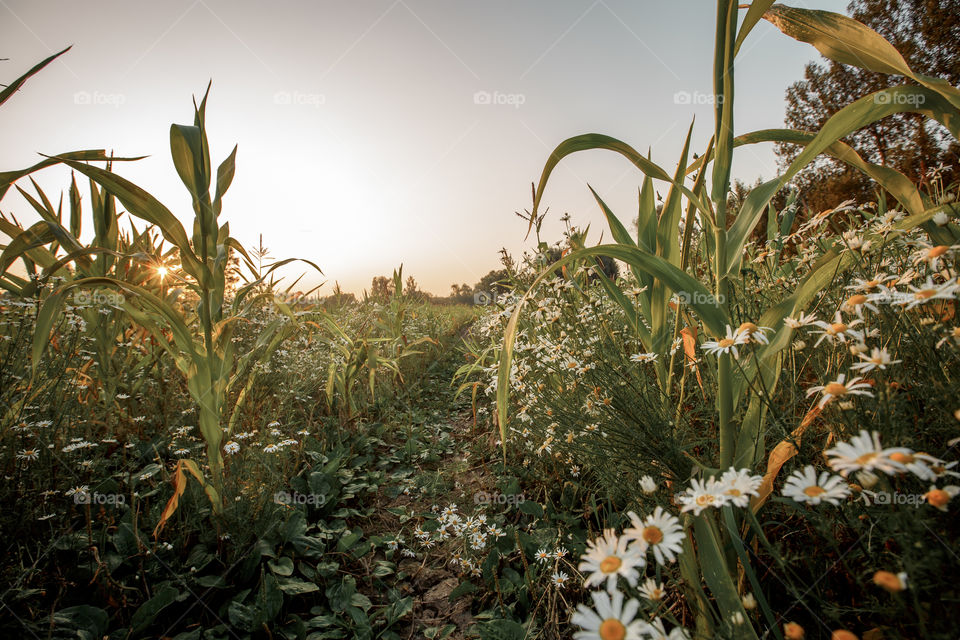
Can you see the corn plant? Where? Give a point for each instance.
(194, 322)
(661, 257)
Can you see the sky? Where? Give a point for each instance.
(378, 132)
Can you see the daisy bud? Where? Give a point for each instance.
(793, 631)
(858, 348)
(889, 581)
(868, 479)
(647, 484)
(749, 602)
(941, 218)
(843, 634)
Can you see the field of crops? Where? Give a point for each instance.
(739, 419)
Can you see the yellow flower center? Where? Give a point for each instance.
(747, 327)
(902, 458)
(652, 535)
(936, 252)
(704, 500)
(866, 458)
(836, 328)
(872, 284)
(835, 389)
(726, 343)
(610, 564)
(926, 293)
(814, 491)
(612, 629)
(888, 581)
(857, 299)
(733, 492)
(938, 497)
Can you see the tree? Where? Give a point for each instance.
(381, 288)
(926, 32)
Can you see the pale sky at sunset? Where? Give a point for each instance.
(378, 132)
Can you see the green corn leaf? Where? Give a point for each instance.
(861, 113)
(717, 575)
(844, 40)
(141, 204)
(14, 86)
(754, 15)
(7, 178)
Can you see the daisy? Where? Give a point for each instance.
(739, 486)
(754, 333)
(856, 303)
(231, 447)
(925, 466)
(890, 581)
(802, 320)
(648, 485)
(940, 497)
(932, 255)
(28, 454)
(806, 486)
(608, 557)
(560, 579)
(878, 359)
(838, 330)
(727, 344)
(839, 388)
(702, 494)
(926, 292)
(610, 619)
(864, 452)
(652, 590)
(643, 357)
(542, 556)
(660, 532)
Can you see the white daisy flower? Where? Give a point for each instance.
(840, 388)
(702, 494)
(878, 359)
(838, 330)
(659, 532)
(739, 485)
(609, 619)
(805, 486)
(864, 452)
(728, 344)
(652, 590)
(609, 557)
